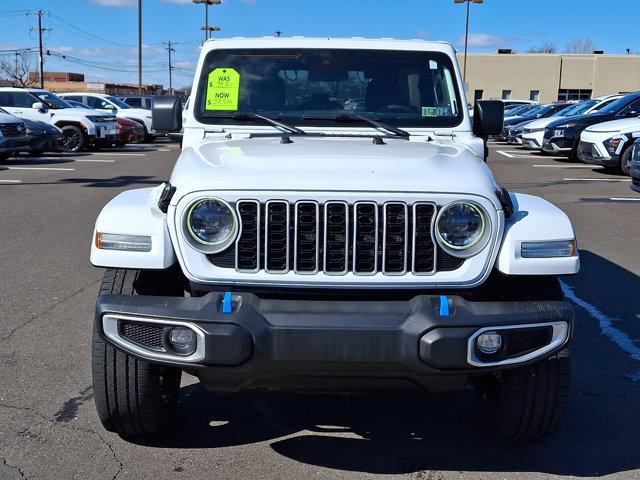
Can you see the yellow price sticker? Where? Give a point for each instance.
(223, 88)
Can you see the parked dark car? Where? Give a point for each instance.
(542, 111)
(563, 136)
(44, 137)
(634, 167)
(13, 135)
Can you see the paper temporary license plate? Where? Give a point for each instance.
(106, 131)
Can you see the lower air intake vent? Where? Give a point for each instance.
(144, 334)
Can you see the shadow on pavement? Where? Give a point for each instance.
(405, 433)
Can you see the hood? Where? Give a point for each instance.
(326, 164)
(583, 120)
(6, 118)
(75, 112)
(542, 122)
(134, 112)
(631, 124)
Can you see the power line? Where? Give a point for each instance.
(40, 13)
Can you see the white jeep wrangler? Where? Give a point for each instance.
(331, 224)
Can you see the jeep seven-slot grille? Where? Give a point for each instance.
(335, 238)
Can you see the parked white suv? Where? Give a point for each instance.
(107, 103)
(331, 223)
(609, 143)
(81, 128)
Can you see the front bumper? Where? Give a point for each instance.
(557, 145)
(12, 144)
(591, 153)
(427, 341)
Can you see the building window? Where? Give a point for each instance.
(567, 94)
(534, 95)
(506, 94)
(477, 94)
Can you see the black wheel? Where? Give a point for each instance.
(133, 397)
(73, 139)
(150, 138)
(625, 161)
(529, 402)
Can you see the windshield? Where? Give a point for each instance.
(618, 105)
(309, 86)
(578, 109)
(51, 100)
(117, 101)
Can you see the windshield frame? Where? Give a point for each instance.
(296, 117)
(117, 102)
(47, 103)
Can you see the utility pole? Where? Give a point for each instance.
(466, 34)
(206, 26)
(41, 30)
(17, 55)
(139, 47)
(170, 49)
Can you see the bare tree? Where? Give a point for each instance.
(546, 47)
(580, 45)
(18, 68)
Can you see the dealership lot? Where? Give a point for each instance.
(48, 425)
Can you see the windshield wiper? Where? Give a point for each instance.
(345, 117)
(255, 116)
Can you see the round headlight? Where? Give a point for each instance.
(212, 224)
(460, 226)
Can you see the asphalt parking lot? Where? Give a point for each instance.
(48, 424)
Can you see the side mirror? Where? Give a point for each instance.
(166, 114)
(488, 118)
(38, 106)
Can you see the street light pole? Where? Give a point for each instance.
(139, 47)
(466, 34)
(206, 27)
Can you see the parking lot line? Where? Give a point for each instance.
(120, 154)
(568, 166)
(597, 179)
(625, 199)
(93, 160)
(10, 181)
(41, 168)
(502, 152)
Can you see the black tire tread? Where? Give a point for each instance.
(128, 393)
(533, 399)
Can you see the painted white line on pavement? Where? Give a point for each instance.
(93, 160)
(502, 152)
(119, 154)
(596, 179)
(42, 168)
(10, 181)
(620, 338)
(164, 149)
(568, 166)
(625, 199)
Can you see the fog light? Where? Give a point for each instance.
(182, 340)
(489, 342)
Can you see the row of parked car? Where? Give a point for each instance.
(603, 131)
(35, 121)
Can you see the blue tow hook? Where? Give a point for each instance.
(444, 306)
(227, 307)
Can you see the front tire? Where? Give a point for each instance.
(133, 397)
(73, 139)
(530, 401)
(625, 161)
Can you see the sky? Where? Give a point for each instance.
(99, 37)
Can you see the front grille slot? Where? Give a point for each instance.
(276, 252)
(365, 238)
(307, 229)
(395, 238)
(248, 243)
(336, 238)
(424, 246)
